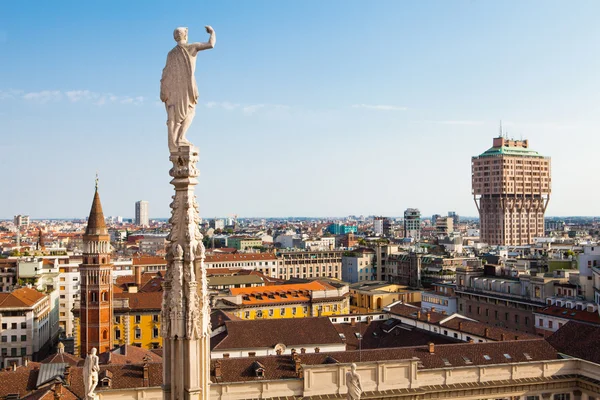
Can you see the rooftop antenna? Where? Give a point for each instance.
(500, 128)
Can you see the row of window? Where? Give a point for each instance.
(137, 333)
(517, 317)
(138, 318)
(14, 352)
(14, 325)
(13, 338)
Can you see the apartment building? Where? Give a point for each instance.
(358, 265)
(442, 298)
(310, 264)
(242, 243)
(8, 274)
(502, 298)
(313, 299)
(265, 263)
(26, 325)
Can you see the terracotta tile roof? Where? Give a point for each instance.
(21, 381)
(153, 285)
(215, 258)
(147, 260)
(219, 317)
(374, 335)
(127, 354)
(266, 333)
(310, 286)
(142, 301)
(50, 393)
(577, 340)
(459, 324)
(62, 358)
(570, 313)
(23, 297)
(457, 355)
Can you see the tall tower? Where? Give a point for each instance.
(96, 313)
(185, 309)
(511, 188)
(141, 213)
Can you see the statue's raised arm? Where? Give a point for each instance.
(178, 88)
(211, 40)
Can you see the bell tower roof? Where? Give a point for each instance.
(96, 224)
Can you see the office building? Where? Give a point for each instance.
(412, 223)
(141, 213)
(511, 188)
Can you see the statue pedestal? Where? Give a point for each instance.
(185, 312)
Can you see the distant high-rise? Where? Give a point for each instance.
(141, 213)
(511, 188)
(412, 223)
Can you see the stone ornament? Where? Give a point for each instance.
(353, 383)
(90, 374)
(178, 88)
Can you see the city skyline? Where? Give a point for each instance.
(321, 112)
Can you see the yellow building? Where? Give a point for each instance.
(301, 300)
(375, 295)
(136, 320)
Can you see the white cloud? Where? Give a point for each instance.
(44, 96)
(73, 96)
(380, 107)
(251, 109)
(224, 105)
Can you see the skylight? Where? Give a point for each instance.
(508, 357)
(488, 358)
(467, 360)
(527, 356)
(446, 362)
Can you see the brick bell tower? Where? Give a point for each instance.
(96, 315)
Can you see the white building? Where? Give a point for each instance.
(378, 226)
(25, 324)
(588, 261)
(266, 263)
(141, 213)
(358, 266)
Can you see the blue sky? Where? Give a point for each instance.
(306, 108)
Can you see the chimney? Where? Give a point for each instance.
(460, 326)
(298, 367)
(25, 361)
(486, 332)
(138, 275)
(428, 317)
(471, 340)
(502, 337)
(146, 375)
(418, 314)
(444, 312)
(14, 366)
(67, 375)
(352, 322)
(57, 389)
(432, 309)
(431, 348)
(218, 372)
(516, 337)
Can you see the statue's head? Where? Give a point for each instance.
(353, 367)
(180, 35)
(93, 351)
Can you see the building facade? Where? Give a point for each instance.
(412, 223)
(358, 266)
(511, 187)
(310, 264)
(141, 213)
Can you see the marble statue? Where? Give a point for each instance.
(178, 88)
(90, 374)
(353, 383)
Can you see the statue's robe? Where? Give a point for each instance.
(353, 383)
(177, 84)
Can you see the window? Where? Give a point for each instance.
(117, 319)
(562, 396)
(23, 325)
(13, 338)
(486, 357)
(507, 356)
(247, 314)
(13, 352)
(155, 318)
(23, 338)
(13, 325)
(23, 351)
(251, 354)
(282, 311)
(4, 325)
(138, 333)
(138, 319)
(155, 332)
(117, 334)
(4, 339)
(271, 312)
(259, 314)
